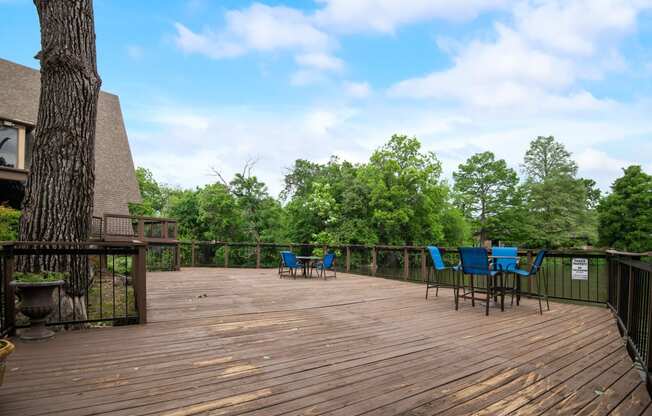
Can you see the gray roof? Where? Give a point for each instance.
(115, 179)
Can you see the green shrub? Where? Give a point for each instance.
(39, 277)
(9, 219)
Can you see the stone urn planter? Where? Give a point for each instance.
(35, 291)
(6, 348)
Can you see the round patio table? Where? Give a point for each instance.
(307, 261)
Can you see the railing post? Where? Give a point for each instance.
(373, 261)
(177, 256)
(648, 358)
(192, 253)
(258, 255)
(140, 281)
(164, 231)
(529, 266)
(406, 263)
(630, 297)
(141, 229)
(9, 300)
(348, 259)
(226, 255)
(618, 264)
(424, 269)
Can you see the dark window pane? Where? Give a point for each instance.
(8, 146)
(29, 140)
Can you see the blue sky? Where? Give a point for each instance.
(212, 84)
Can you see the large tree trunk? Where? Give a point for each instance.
(58, 200)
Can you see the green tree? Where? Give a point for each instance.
(559, 204)
(262, 214)
(328, 202)
(456, 228)
(625, 215)
(548, 158)
(220, 217)
(406, 196)
(485, 190)
(183, 205)
(154, 196)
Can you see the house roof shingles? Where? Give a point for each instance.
(115, 179)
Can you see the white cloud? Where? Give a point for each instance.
(534, 64)
(493, 74)
(181, 143)
(580, 26)
(595, 162)
(320, 60)
(191, 140)
(498, 93)
(357, 89)
(304, 77)
(386, 15)
(257, 28)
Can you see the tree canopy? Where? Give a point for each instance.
(399, 197)
(485, 190)
(560, 205)
(625, 216)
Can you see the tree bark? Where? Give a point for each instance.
(58, 200)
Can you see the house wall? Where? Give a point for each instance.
(115, 178)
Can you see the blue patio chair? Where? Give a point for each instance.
(327, 264)
(506, 260)
(438, 269)
(289, 264)
(533, 273)
(475, 263)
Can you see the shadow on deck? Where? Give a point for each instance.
(242, 341)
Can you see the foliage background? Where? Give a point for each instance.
(399, 197)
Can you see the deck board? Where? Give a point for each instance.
(244, 342)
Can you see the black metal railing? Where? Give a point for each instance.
(629, 297)
(409, 263)
(106, 286)
(163, 257)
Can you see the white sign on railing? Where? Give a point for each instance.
(580, 269)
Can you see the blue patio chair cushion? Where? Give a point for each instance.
(435, 255)
(290, 260)
(327, 262)
(438, 261)
(521, 272)
(475, 260)
(506, 265)
(536, 265)
(538, 261)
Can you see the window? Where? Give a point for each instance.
(8, 147)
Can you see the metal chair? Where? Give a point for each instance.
(327, 264)
(505, 259)
(475, 262)
(532, 273)
(438, 269)
(289, 261)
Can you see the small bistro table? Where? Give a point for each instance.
(307, 262)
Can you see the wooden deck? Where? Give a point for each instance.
(228, 341)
